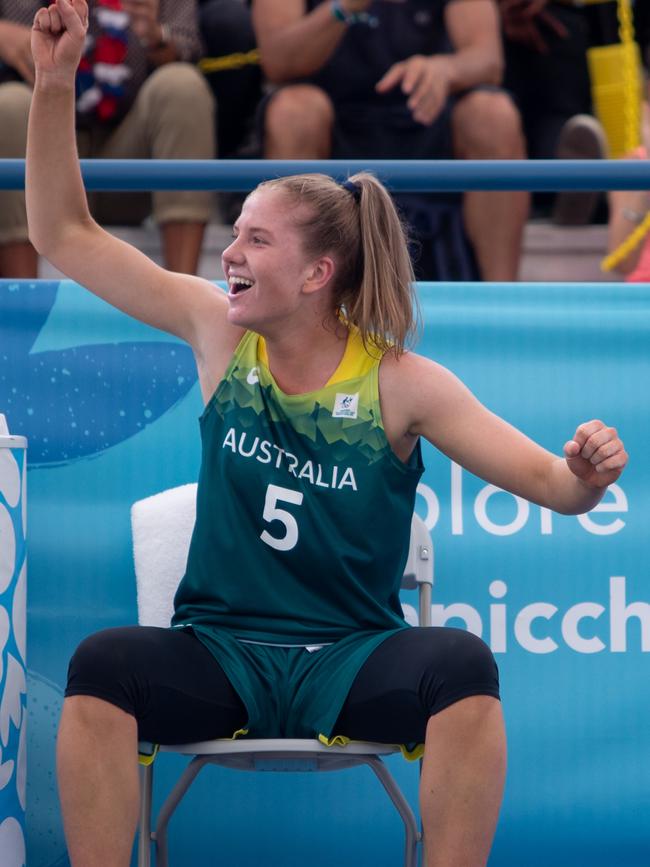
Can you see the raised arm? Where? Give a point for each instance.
(294, 43)
(433, 403)
(60, 225)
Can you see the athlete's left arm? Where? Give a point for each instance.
(432, 402)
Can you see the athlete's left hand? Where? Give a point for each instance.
(596, 454)
(426, 82)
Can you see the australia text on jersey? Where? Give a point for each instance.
(267, 452)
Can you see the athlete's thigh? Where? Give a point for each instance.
(165, 678)
(411, 676)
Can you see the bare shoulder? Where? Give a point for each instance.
(426, 398)
(205, 307)
(204, 298)
(214, 339)
(409, 363)
(415, 390)
(410, 374)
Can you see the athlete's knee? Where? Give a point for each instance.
(464, 665)
(101, 666)
(474, 662)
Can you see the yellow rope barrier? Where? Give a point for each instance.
(230, 61)
(628, 246)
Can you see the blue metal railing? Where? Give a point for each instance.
(398, 175)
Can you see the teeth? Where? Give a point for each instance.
(239, 283)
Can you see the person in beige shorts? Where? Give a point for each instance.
(139, 96)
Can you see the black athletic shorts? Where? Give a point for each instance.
(178, 692)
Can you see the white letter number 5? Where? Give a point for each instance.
(275, 494)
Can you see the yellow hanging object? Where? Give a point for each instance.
(630, 244)
(617, 94)
(616, 86)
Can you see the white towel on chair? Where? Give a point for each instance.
(162, 527)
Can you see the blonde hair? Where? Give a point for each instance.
(358, 225)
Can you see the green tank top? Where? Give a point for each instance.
(303, 510)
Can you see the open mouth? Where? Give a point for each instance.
(237, 285)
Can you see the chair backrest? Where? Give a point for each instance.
(162, 528)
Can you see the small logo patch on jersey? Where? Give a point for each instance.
(346, 405)
(253, 376)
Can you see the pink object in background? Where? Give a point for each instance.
(641, 273)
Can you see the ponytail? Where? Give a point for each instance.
(357, 223)
(385, 305)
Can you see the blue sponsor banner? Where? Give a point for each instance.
(110, 409)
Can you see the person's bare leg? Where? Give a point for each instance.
(628, 208)
(18, 259)
(463, 775)
(298, 124)
(181, 246)
(486, 126)
(97, 767)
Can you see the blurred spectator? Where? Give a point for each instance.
(232, 69)
(411, 79)
(641, 272)
(138, 96)
(546, 44)
(629, 210)
(642, 28)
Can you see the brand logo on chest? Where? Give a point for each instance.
(346, 405)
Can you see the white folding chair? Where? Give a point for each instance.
(162, 527)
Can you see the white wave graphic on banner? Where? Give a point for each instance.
(12, 654)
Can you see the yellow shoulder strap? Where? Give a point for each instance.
(357, 360)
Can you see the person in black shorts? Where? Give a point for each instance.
(409, 80)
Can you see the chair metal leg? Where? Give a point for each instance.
(144, 825)
(171, 802)
(412, 835)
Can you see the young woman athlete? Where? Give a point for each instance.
(287, 621)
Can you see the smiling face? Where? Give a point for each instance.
(270, 278)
